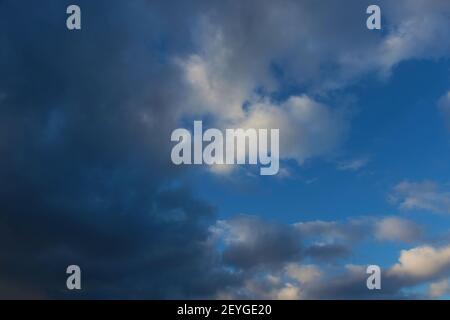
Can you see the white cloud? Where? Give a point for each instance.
(414, 30)
(426, 195)
(418, 35)
(307, 128)
(212, 91)
(229, 75)
(422, 263)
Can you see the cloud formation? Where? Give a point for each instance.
(424, 262)
(300, 280)
(239, 68)
(85, 120)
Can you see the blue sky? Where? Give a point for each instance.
(397, 133)
(85, 123)
(401, 136)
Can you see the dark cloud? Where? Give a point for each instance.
(352, 285)
(85, 120)
(327, 252)
(251, 242)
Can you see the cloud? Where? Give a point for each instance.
(334, 231)
(252, 242)
(88, 174)
(439, 288)
(323, 47)
(354, 164)
(289, 282)
(310, 271)
(425, 195)
(303, 274)
(422, 263)
(89, 180)
(336, 236)
(414, 33)
(397, 229)
(307, 128)
(327, 252)
(233, 72)
(322, 282)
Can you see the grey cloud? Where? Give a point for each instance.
(334, 231)
(327, 252)
(252, 242)
(398, 229)
(322, 243)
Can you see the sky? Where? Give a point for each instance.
(85, 123)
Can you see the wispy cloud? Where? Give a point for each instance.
(354, 164)
(426, 196)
